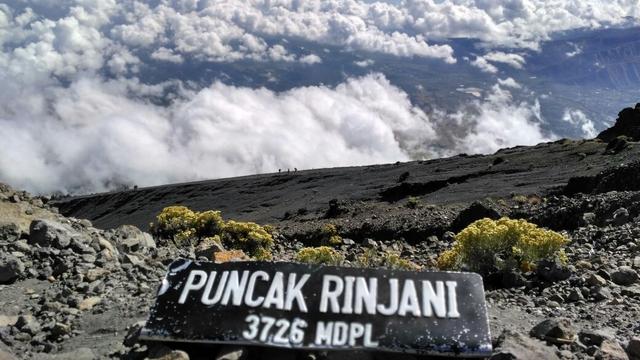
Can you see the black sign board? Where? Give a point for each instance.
(321, 307)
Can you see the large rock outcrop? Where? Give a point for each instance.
(627, 124)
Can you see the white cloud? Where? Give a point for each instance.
(486, 62)
(580, 120)
(514, 23)
(498, 122)
(577, 50)
(311, 59)
(514, 60)
(164, 54)
(364, 63)
(482, 64)
(509, 82)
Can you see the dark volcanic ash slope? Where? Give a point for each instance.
(278, 198)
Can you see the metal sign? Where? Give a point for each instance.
(321, 307)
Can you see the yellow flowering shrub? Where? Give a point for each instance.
(208, 222)
(387, 259)
(393, 261)
(182, 225)
(248, 236)
(502, 244)
(174, 222)
(328, 235)
(322, 255)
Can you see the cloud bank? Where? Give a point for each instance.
(95, 135)
(77, 116)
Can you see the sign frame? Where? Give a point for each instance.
(188, 292)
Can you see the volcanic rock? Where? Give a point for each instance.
(476, 211)
(517, 346)
(624, 276)
(633, 349)
(11, 268)
(593, 337)
(50, 233)
(558, 331)
(611, 350)
(627, 124)
(232, 353)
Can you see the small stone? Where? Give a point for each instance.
(132, 259)
(78, 354)
(370, 243)
(59, 330)
(349, 242)
(636, 262)
(517, 346)
(28, 324)
(208, 247)
(601, 293)
(592, 337)
(11, 268)
(631, 291)
(552, 271)
(89, 303)
(633, 349)
(611, 350)
(624, 276)
(6, 356)
(232, 353)
(621, 216)
(133, 332)
(575, 295)
(171, 355)
(596, 280)
(95, 274)
(584, 265)
(108, 251)
(589, 218)
(8, 320)
(557, 331)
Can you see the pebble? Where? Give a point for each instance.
(624, 276)
(557, 331)
(231, 353)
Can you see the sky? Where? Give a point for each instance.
(77, 115)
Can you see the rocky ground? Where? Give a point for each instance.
(69, 290)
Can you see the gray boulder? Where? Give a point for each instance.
(517, 346)
(557, 331)
(624, 276)
(9, 232)
(52, 233)
(11, 268)
(130, 239)
(611, 350)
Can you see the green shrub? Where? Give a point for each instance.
(413, 202)
(322, 255)
(488, 245)
(184, 226)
